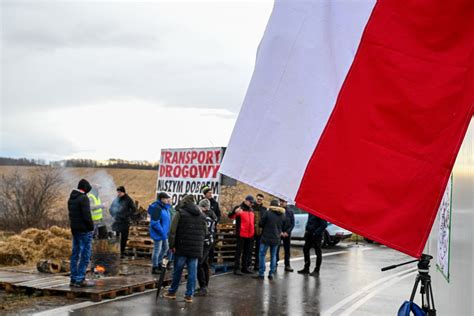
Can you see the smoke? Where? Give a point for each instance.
(104, 183)
(101, 181)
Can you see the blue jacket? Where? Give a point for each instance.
(160, 220)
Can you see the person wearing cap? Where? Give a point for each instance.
(286, 237)
(160, 222)
(82, 228)
(203, 274)
(207, 192)
(245, 229)
(273, 223)
(125, 210)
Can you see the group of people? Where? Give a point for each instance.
(188, 233)
(86, 220)
(260, 229)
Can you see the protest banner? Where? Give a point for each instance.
(187, 170)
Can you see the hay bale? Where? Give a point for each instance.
(60, 232)
(18, 250)
(37, 235)
(57, 248)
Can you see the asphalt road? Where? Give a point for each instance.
(350, 283)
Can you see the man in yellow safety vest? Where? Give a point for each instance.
(96, 209)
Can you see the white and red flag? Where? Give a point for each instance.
(356, 111)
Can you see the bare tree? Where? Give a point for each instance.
(26, 197)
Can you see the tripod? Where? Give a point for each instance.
(424, 280)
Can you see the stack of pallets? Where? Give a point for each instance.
(139, 242)
(224, 249)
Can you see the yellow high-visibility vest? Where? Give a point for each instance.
(96, 210)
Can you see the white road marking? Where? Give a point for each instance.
(369, 296)
(364, 290)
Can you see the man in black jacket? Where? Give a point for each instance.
(186, 240)
(125, 210)
(273, 224)
(82, 229)
(286, 239)
(312, 239)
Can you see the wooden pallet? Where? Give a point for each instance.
(110, 287)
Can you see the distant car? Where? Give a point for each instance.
(331, 236)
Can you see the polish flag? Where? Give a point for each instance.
(356, 111)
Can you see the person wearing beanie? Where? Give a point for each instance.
(273, 223)
(203, 273)
(207, 192)
(124, 210)
(82, 229)
(245, 229)
(160, 222)
(186, 241)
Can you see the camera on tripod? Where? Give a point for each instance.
(424, 280)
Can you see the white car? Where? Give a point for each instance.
(331, 236)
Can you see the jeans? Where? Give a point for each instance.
(312, 241)
(273, 260)
(286, 246)
(179, 262)
(160, 247)
(81, 255)
(257, 251)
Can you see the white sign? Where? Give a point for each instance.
(444, 232)
(187, 171)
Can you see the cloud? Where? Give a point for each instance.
(138, 69)
(132, 130)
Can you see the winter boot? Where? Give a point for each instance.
(305, 270)
(315, 272)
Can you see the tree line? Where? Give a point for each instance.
(81, 163)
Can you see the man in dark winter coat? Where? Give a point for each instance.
(82, 228)
(125, 210)
(186, 240)
(203, 266)
(245, 230)
(273, 224)
(286, 238)
(312, 239)
(160, 222)
(259, 210)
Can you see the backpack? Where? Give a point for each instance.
(408, 307)
(153, 208)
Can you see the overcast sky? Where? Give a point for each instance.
(123, 79)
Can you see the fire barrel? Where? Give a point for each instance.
(106, 256)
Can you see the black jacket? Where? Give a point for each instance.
(215, 208)
(273, 223)
(80, 217)
(290, 219)
(315, 225)
(125, 211)
(188, 231)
